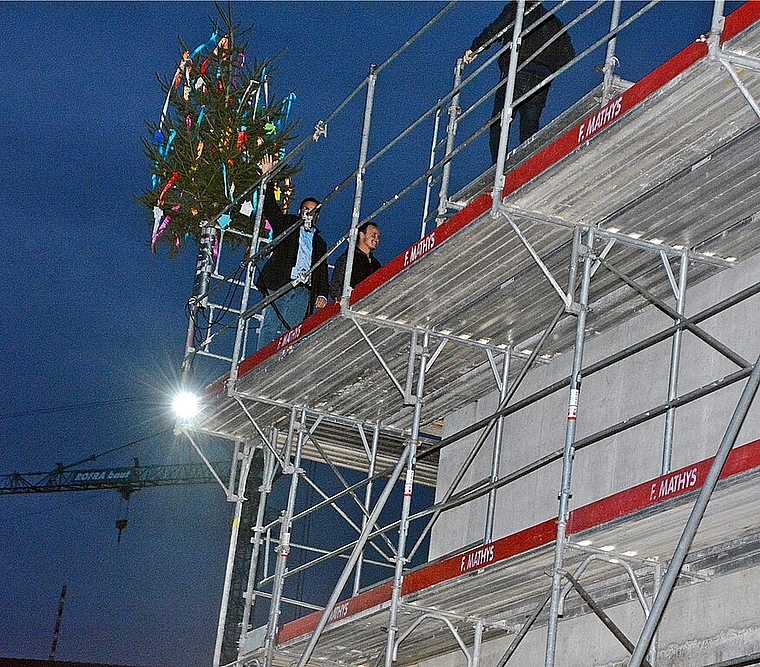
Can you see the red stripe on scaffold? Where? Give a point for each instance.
(684, 480)
(742, 459)
(344, 609)
(741, 19)
(475, 559)
(289, 337)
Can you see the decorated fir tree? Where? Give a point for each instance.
(216, 124)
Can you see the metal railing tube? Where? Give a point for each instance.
(675, 359)
(406, 507)
(360, 172)
(496, 456)
(716, 28)
(695, 518)
(451, 131)
(507, 112)
(430, 179)
(367, 502)
(568, 452)
(609, 58)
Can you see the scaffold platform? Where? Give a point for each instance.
(502, 583)
(635, 192)
(669, 167)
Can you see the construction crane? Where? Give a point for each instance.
(127, 480)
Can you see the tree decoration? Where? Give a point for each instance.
(216, 124)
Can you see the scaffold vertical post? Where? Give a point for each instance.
(241, 333)
(496, 458)
(367, 501)
(569, 452)
(451, 133)
(258, 532)
(477, 645)
(406, 507)
(283, 550)
(716, 28)
(199, 299)
(695, 517)
(675, 362)
(245, 467)
(430, 179)
(507, 112)
(609, 58)
(656, 584)
(361, 542)
(360, 173)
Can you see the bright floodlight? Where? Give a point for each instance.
(186, 405)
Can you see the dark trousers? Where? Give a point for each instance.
(529, 109)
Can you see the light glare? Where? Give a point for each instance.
(186, 405)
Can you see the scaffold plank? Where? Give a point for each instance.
(501, 582)
(672, 159)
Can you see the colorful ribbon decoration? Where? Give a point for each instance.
(172, 180)
(286, 104)
(213, 41)
(164, 150)
(160, 231)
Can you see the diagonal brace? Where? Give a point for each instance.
(603, 617)
(670, 312)
(380, 359)
(567, 299)
(743, 61)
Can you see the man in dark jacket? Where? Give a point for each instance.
(544, 57)
(365, 263)
(294, 256)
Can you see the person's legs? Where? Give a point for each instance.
(531, 108)
(495, 129)
(292, 308)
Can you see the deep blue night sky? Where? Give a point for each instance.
(94, 324)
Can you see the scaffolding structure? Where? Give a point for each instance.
(632, 197)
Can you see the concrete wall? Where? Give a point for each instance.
(704, 624)
(607, 397)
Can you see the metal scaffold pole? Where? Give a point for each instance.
(569, 451)
(451, 131)
(258, 534)
(406, 507)
(367, 500)
(496, 457)
(697, 512)
(283, 550)
(610, 60)
(507, 112)
(199, 300)
(245, 467)
(360, 170)
(675, 362)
